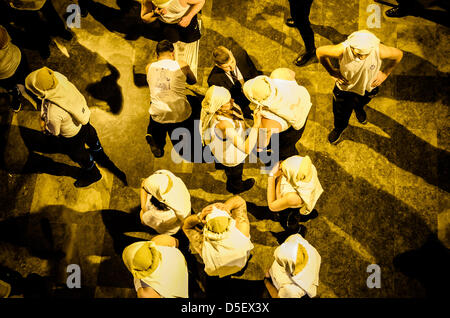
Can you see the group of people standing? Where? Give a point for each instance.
(243, 112)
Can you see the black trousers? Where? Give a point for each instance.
(300, 10)
(19, 76)
(75, 146)
(175, 33)
(234, 174)
(158, 131)
(345, 102)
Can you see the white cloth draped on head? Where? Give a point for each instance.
(281, 95)
(215, 97)
(64, 95)
(225, 253)
(170, 190)
(363, 41)
(302, 176)
(283, 270)
(170, 277)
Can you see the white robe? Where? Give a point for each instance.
(227, 253)
(305, 282)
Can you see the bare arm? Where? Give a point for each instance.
(144, 195)
(195, 7)
(186, 69)
(238, 209)
(279, 204)
(147, 292)
(147, 11)
(230, 132)
(393, 57)
(327, 52)
(165, 240)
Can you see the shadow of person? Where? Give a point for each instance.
(127, 20)
(428, 264)
(405, 149)
(32, 286)
(38, 27)
(21, 154)
(330, 33)
(108, 90)
(118, 223)
(371, 217)
(419, 80)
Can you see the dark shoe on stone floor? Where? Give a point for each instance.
(88, 177)
(242, 187)
(290, 23)
(65, 34)
(396, 12)
(361, 116)
(302, 59)
(310, 216)
(157, 152)
(334, 136)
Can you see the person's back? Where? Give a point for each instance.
(167, 92)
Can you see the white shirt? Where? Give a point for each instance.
(58, 121)
(167, 82)
(359, 73)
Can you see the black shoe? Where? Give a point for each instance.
(290, 23)
(396, 12)
(361, 116)
(310, 216)
(302, 59)
(242, 187)
(16, 105)
(66, 34)
(334, 136)
(157, 152)
(88, 177)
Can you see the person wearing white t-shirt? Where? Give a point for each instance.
(358, 76)
(169, 107)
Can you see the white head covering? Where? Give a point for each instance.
(291, 267)
(215, 98)
(302, 176)
(170, 190)
(363, 41)
(260, 90)
(224, 253)
(163, 268)
(55, 87)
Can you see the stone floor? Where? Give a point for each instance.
(386, 184)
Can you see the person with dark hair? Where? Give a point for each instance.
(358, 76)
(178, 18)
(64, 113)
(169, 107)
(231, 70)
(13, 68)
(165, 202)
(300, 10)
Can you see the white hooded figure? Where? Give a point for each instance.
(172, 205)
(295, 271)
(225, 249)
(280, 95)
